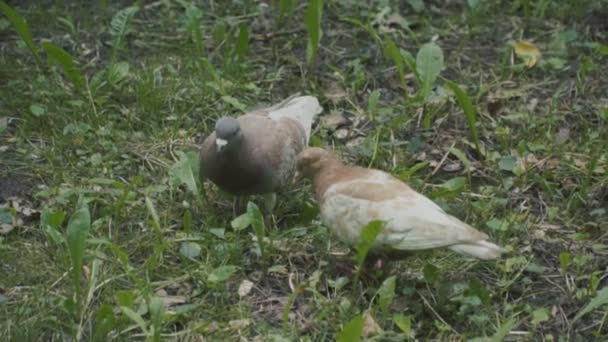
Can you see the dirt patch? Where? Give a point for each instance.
(14, 186)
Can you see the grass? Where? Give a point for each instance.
(106, 233)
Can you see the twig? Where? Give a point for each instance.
(426, 302)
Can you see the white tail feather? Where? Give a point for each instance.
(303, 109)
(480, 249)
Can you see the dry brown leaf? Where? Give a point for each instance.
(370, 327)
(335, 92)
(334, 119)
(245, 288)
(169, 301)
(527, 51)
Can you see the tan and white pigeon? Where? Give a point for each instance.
(256, 152)
(350, 197)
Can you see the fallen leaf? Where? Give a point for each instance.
(245, 288)
(527, 51)
(239, 324)
(370, 327)
(562, 135)
(334, 120)
(335, 92)
(169, 301)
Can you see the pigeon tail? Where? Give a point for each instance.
(479, 249)
(303, 109)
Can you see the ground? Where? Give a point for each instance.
(106, 232)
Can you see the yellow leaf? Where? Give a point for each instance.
(528, 52)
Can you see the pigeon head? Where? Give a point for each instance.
(228, 134)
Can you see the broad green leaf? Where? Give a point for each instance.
(540, 315)
(104, 322)
(508, 163)
(469, 110)
(77, 233)
(23, 29)
(234, 102)
(429, 63)
(59, 56)
(194, 16)
(135, 317)
(118, 72)
(403, 322)
(257, 221)
(352, 330)
(602, 48)
(386, 293)
(252, 217)
(120, 26)
(417, 5)
(241, 222)
(221, 273)
(50, 223)
(185, 171)
(405, 175)
(124, 298)
(430, 273)
(368, 238)
(454, 184)
(37, 110)
(190, 249)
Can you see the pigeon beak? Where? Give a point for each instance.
(220, 144)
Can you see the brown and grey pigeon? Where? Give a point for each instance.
(351, 197)
(256, 152)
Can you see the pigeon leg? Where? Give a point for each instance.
(270, 201)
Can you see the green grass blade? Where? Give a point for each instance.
(242, 42)
(136, 318)
(194, 16)
(57, 55)
(601, 298)
(314, 12)
(391, 51)
(22, 28)
(156, 316)
(286, 9)
(469, 110)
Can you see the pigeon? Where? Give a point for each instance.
(255, 154)
(351, 197)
